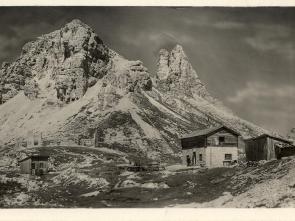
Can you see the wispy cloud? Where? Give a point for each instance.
(271, 106)
(229, 25)
(157, 40)
(261, 91)
(212, 22)
(276, 39)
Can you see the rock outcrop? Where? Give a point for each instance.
(177, 75)
(73, 53)
(67, 62)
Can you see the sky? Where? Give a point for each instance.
(245, 56)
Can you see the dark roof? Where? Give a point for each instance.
(271, 136)
(35, 157)
(207, 132)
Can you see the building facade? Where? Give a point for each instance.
(34, 165)
(87, 142)
(212, 147)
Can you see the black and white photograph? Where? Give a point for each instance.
(147, 107)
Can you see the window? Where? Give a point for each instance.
(41, 165)
(221, 139)
(227, 156)
(200, 157)
(35, 142)
(33, 165)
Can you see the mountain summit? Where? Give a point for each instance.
(177, 75)
(69, 84)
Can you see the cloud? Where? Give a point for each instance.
(276, 39)
(156, 40)
(261, 91)
(269, 105)
(213, 22)
(228, 25)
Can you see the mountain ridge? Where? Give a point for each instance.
(68, 82)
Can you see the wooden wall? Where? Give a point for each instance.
(231, 140)
(256, 149)
(191, 142)
(262, 148)
(25, 166)
(287, 151)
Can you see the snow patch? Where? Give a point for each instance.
(131, 183)
(155, 185)
(94, 193)
(70, 176)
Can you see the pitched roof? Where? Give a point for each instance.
(39, 157)
(206, 132)
(271, 136)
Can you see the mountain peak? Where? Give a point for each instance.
(177, 75)
(72, 53)
(174, 61)
(170, 61)
(75, 23)
(178, 49)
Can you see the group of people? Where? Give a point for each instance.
(191, 162)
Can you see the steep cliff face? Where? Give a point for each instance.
(68, 83)
(178, 77)
(68, 59)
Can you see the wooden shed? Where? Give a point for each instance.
(268, 147)
(35, 164)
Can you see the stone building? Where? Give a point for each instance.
(212, 147)
(35, 164)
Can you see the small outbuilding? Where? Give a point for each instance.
(35, 164)
(212, 147)
(87, 142)
(268, 147)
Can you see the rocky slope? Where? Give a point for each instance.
(68, 83)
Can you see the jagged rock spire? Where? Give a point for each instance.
(178, 75)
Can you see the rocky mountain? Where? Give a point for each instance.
(68, 83)
(178, 77)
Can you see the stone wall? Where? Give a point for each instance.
(216, 155)
(211, 156)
